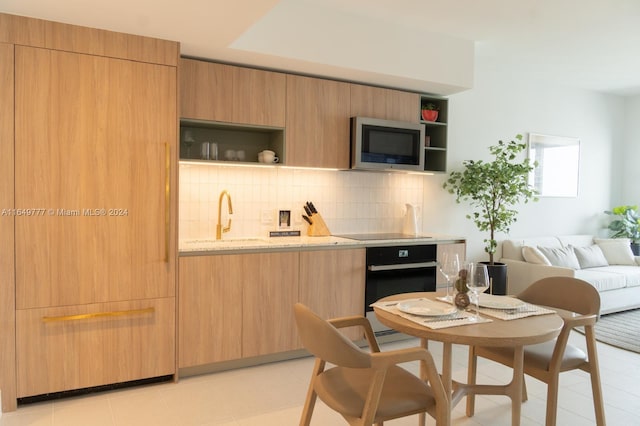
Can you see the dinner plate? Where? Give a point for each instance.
(499, 302)
(425, 308)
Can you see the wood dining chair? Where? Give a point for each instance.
(578, 303)
(366, 386)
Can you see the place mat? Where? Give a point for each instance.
(527, 310)
(454, 320)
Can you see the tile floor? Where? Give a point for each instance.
(273, 394)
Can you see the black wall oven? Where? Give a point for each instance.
(394, 270)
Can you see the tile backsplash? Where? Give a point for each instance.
(349, 201)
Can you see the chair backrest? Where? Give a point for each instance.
(568, 293)
(327, 343)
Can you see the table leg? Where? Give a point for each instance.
(516, 385)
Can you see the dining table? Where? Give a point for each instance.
(515, 328)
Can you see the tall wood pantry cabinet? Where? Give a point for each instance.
(95, 140)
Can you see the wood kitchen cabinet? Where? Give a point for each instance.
(236, 306)
(70, 347)
(210, 309)
(317, 122)
(96, 127)
(270, 289)
(99, 173)
(332, 283)
(387, 104)
(7, 278)
(231, 94)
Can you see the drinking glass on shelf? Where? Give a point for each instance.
(477, 283)
(449, 267)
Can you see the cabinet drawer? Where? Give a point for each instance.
(75, 347)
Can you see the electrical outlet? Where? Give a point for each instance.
(266, 217)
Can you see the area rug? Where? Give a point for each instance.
(621, 330)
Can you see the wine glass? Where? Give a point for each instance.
(477, 282)
(449, 267)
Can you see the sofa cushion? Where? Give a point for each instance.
(533, 255)
(561, 256)
(590, 257)
(579, 240)
(631, 273)
(602, 278)
(512, 249)
(617, 251)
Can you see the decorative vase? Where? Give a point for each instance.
(635, 248)
(461, 298)
(497, 278)
(429, 114)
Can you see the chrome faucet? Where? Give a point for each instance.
(219, 228)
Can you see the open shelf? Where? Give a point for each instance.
(230, 139)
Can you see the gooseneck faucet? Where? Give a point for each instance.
(219, 228)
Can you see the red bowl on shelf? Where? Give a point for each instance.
(429, 114)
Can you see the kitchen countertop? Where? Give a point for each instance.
(267, 244)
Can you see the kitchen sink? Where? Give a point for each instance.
(231, 242)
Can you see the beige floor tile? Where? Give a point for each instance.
(273, 395)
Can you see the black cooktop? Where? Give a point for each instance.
(382, 236)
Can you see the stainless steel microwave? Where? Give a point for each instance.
(386, 145)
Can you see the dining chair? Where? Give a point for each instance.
(366, 386)
(578, 303)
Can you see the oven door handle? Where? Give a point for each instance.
(374, 268)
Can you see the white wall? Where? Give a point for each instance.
(629, 156)
(501, 105)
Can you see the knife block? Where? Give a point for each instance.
(318, 228)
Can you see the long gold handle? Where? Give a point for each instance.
(167, 201)
(99, 315)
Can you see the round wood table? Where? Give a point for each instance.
(515, 333)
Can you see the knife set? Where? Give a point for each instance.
(317, 227)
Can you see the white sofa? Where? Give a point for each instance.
(607, 264)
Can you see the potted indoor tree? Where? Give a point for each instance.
(492, 189)
(626, 224)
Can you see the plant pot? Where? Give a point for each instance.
(497, 277)
(635, 248)
(429, 114)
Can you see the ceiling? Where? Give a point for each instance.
(584, 43)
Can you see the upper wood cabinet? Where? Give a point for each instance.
(388, 104)
(93, 134)
(226, 93)
(317, 127)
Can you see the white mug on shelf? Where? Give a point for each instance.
(268, 157)
(229, 155)
(240, 155)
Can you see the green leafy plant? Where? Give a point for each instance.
(493, 188)
(430, 106)
(626, 222)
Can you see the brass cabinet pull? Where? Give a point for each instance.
(99, 315)
(167, 201)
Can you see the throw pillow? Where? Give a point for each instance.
(561, 256)
(590, 257)
(533, 255)
(617, 251)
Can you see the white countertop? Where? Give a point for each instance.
(229, 245)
